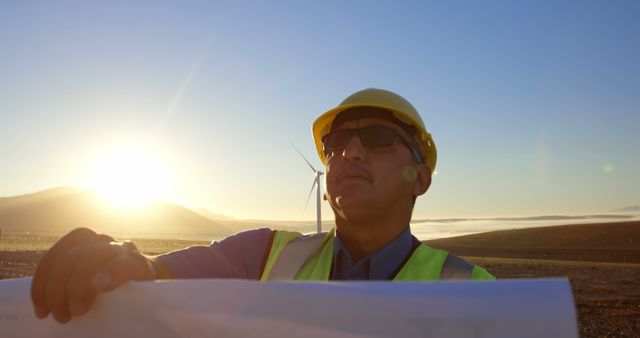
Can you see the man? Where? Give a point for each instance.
(378, 158)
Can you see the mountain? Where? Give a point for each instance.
(11, 202)
(635, 208)
(210, 215)
(62, 209)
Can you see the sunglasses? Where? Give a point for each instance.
(370, 137)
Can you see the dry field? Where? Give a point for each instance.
(20, 253)
(607, 294)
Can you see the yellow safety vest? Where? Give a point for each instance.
(294, 256)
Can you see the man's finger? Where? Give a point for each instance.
(79, 290)
(125, 267)
(55, 296)
(38, 284)
(40, 280)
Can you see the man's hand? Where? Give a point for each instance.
(79, 266)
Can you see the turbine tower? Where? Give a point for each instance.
(316, 182)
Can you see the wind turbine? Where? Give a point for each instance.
(316, 182)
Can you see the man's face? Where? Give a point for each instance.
(363, 181)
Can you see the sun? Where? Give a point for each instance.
(130, 175)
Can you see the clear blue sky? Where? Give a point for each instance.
(534, 106)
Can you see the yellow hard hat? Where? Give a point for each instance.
(378, 98)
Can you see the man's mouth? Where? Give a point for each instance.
(353, 173)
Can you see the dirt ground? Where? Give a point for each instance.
(607, 295)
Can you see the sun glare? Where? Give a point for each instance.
(130, 176)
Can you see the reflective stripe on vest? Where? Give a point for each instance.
(455, 267)
(297, 257)
(294, 254)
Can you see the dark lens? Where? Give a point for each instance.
(336, 140)
(377, 136)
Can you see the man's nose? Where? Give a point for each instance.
(354, 150)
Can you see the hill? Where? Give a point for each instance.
(605, 242)
(62, 209)
(213, 216)
(635, 208)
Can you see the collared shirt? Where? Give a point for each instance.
(380, 265)
(242, 256)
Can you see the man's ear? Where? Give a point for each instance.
(423, 180)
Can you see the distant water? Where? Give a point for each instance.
(423, 229)
(442, 228)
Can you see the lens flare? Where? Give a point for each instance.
(607, 168)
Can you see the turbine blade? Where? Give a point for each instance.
(304, 158)
(309, 197)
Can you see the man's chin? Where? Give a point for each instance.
(351, 207)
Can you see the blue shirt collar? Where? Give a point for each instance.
(380, 265)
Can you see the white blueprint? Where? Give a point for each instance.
(240, 308)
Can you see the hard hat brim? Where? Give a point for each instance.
(322, 126)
